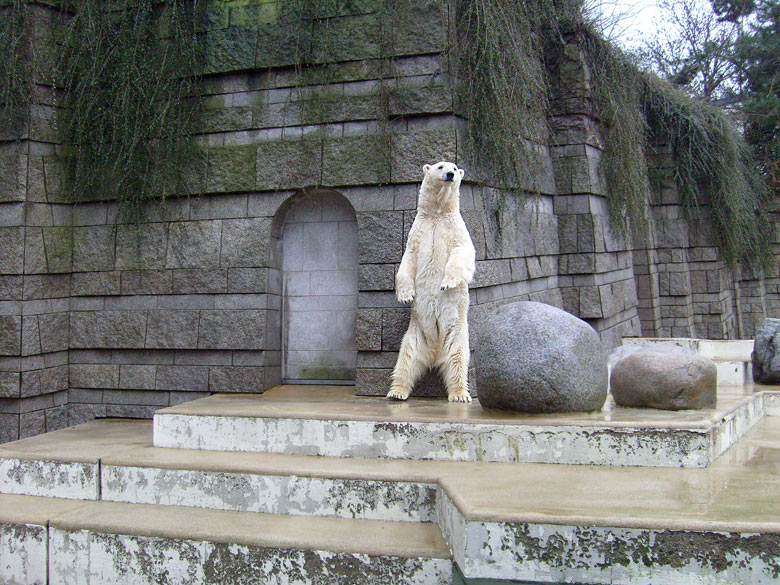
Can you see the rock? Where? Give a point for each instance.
(624, 351)
(533, 357)
(665, 380)
(766, 352)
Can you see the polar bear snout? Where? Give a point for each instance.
(449, 176)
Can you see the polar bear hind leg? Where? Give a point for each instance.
(411, 364)
(454, 370)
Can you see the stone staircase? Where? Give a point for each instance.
(367, 493)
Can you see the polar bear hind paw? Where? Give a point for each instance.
(460, 396)
(397, 395)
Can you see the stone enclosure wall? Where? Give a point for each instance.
(279, 265)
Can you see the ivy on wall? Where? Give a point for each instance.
(15, 87)
(128, 75)
(712, 164)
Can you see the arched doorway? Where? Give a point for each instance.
(319, 278)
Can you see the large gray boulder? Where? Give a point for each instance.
(533, 357)
(766, 352)
(665, 380)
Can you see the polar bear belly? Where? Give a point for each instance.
(434, 308)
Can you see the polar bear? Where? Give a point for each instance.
(435, 270)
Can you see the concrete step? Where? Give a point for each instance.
(104, 543)
(68, 464)
(546, 524)
(333, 422)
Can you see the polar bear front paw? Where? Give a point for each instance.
(405, 295)
(397, 395)
(449, 283)
(460, 396)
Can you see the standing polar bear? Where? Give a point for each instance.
(434, 274)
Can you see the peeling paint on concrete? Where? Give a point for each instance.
(596, 445)
(23, 559)
(70, 480)
(274, 494)
(105, 559)
(601, 555)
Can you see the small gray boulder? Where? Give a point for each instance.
(663, 380)
(766, 352)
(533, 357)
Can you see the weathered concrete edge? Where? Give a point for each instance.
(605, 555)
(535, 546)
(26, 474)
(437, 441)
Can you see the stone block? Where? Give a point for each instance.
(10, 335)
(12, 243)
(95, 283)
(380, 236)
(93, 248)
(172, 329)
(376, 277)
(231, 329)
(236, 379)
(373, 381)
(197, 281)
(146, 282)
(248, 280)
(31, 424)
(194, 244)
(133, 410)
(11, 287)
(134, 398)
(394, 324)
(53, 332)
(31, 339)
(418, 28)
(107, 329)
(142, 246)
(58, 242)
(245, 242)
(81, 413)
(231, 168)
(230, 49)
(279, 164)
(356, 160)
(33, 251)
(412, 150)
(98, 376)
(420, 100)
(220, 206)
(10, 384)
(189, 378)
(475, 225)
(278, 44)
(368, 335)
(590, 303)
(137, 377)
(359, 37)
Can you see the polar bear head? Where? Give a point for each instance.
(443, 172)
(440, 189)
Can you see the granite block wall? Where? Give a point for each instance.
(102, 318)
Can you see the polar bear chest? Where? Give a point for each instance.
(433, 249)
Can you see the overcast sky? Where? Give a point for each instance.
(635, 19)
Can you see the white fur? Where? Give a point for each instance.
(435, 270)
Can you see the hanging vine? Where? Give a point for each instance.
(129, 78)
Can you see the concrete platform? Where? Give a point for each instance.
(332, 422)
(510, 522)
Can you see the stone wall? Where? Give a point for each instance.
(99, 317)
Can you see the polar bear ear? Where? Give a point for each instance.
(426, 168)
(461, 172)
